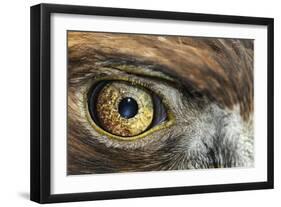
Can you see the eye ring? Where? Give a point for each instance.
(93, 122)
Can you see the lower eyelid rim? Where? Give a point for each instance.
(163, 125)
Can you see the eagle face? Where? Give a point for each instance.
(154, 102)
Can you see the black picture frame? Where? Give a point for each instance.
(41, 96)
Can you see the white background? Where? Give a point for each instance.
(14, 104)
(60, 183)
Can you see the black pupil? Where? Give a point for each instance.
(128, 107)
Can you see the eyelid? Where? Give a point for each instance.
(163, 125)
(142, 70)
(152, 72)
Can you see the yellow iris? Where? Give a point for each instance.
(108, 109)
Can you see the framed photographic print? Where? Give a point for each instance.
(132, 103)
